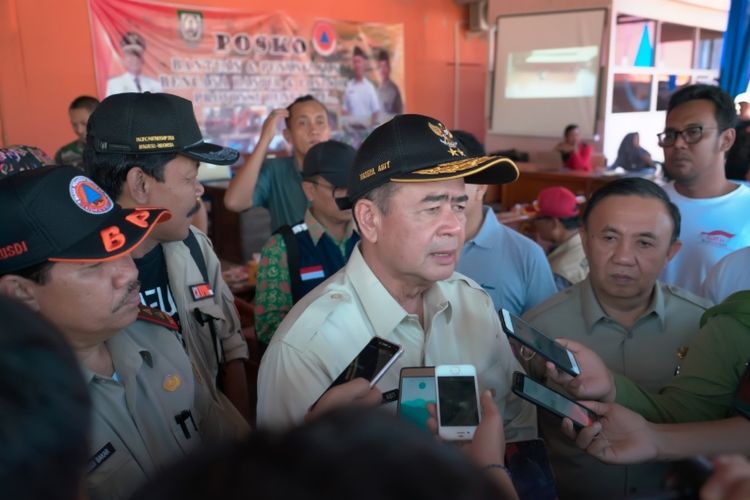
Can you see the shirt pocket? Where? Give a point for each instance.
(116, 476)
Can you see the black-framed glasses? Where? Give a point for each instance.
(336, 192)
(690, 135)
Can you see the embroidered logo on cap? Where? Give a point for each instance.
(446, 138)
(88, 196)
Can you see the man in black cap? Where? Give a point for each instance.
(144, 150)
(406, 188)
(298, 258)
(65, 252)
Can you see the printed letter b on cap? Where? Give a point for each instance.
(112, 238)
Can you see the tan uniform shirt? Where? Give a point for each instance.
(331, 324)
(648, 353)
(569, 261)
(134, 431)
(184, 273)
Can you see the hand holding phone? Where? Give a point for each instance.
(544, 397)
(457, 401)
(535, 340)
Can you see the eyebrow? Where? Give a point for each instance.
(432, 198)
(647, 234)
(686, 126)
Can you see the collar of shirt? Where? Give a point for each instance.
(489, 234)
(317, 230)
(381, 309)
(127, 358)
(572, 243)
(593, 313)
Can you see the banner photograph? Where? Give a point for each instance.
(237, 66)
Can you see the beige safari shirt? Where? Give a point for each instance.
(184, 273)
(331, 324)
(648, 353)
(134, 432)
(569, 261)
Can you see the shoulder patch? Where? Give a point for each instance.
(157, 317)
(689, 296)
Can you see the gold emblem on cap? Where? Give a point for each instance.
(682, 352)
(171, 383)
(453, 167)
(446, 138)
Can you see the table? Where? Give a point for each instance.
(533, 178)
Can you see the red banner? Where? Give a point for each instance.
(236, 66)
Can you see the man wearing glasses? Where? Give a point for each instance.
(699, 131)
(298, 258)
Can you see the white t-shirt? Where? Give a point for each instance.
(361, 99)
(711, 229)
(731, 274)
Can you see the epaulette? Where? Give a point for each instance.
(157, 317)
(689, 296)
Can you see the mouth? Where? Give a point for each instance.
(445, 257)
(132, 297)
(194, 210)
(621, 279)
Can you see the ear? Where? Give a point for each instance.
(726, 139)
(137, 186)
(369, 219)
(20, 289)
(674, 247)
(480, 191)
(308, 187)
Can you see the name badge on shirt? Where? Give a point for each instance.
(201, 291)
(101, 456)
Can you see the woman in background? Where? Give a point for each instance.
(631, 156)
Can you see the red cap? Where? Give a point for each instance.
(556, 202)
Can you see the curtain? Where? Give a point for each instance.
(735, 58)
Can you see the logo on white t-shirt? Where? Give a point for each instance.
(716, 238)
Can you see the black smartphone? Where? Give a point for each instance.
(530, 470)
(535, 340)
(741, 401)
(372, 362)
(544, 397)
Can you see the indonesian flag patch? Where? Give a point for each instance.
(311, 273)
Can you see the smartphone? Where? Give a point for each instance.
(535, 340)
(457, 401)
(416, 388)
(544, 397)
(741, 401)
(530, 470)
(372, 362)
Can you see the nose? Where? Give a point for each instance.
(124, 271)
(623, 254)
(452, 222)
(199, 188)
(679, 142)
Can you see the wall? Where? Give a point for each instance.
(45, 46)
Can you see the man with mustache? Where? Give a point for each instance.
(698, 133)
(406, 191)
(640, 327)
(65, 252)
(144, 150)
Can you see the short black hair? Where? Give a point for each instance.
(470, 143)
(84, 102)
(724, 110)
(359, 52)
(350, 453)
(45, 417)
(569, 128)
(571, 223)
(383, 56)
(634, 186)
(109, 170)
(38, 273)
(301, 99)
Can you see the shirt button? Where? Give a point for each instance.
(336, 296)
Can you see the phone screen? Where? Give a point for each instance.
(538, 342)
(370, 362)
(458, 401)
(415, 394)
(742, 398)
(552, 400)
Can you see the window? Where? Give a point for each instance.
(668, 85)
(634, 41)
(710, 44)
(675, 48)
(632, 92)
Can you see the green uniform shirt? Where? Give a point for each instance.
(70, 154)
(648, 352)
(279, 189)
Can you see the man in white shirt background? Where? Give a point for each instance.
(133, 46)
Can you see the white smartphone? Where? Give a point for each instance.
(457, 401)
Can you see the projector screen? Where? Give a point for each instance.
(547, 73)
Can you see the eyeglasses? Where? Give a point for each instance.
(336, 192)
(690, 135)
